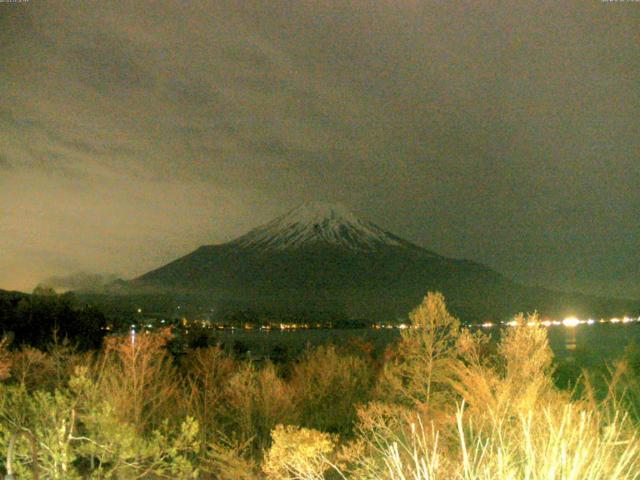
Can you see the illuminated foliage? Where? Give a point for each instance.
(328, 385)
(448, 403)
(298, 454)
(418, 373)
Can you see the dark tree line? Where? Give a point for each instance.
(34, 319)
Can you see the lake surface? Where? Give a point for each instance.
(587, 344)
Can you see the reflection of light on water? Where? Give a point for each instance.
(570, 341)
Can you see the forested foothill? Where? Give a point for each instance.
(35, 319)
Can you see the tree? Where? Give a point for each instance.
(419, 370)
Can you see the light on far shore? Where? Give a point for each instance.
(568, 322)
(571, 322)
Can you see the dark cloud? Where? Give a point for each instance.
(107, 63)
(80, 281)
(503, 133)
(4, 162)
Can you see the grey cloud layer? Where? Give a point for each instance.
(503, 133)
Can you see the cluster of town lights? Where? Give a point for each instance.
(569, 322)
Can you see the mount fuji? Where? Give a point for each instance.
(321, 257)
(317, 224)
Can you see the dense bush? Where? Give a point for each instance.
(443, 403)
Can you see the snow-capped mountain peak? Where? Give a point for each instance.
(318, 223)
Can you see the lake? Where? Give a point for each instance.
(588, 344)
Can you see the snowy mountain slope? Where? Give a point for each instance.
(319, 223)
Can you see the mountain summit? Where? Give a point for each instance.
(320, 257)
(317, 224)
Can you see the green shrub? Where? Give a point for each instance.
(328, 385)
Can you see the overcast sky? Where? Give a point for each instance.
(132, 132)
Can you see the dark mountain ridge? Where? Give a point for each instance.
(322, 257)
